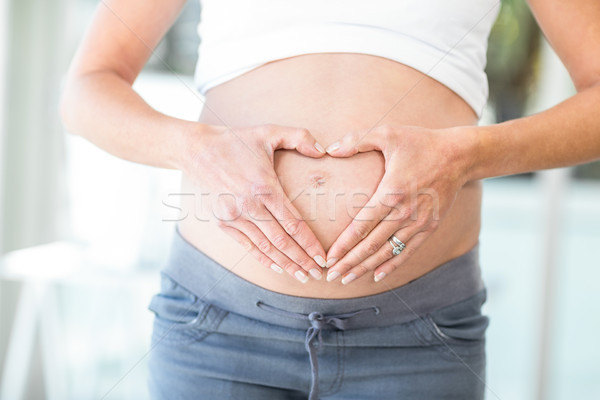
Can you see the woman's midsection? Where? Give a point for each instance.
(331, 95)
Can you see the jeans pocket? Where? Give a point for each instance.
(458, 329)
(180, 316)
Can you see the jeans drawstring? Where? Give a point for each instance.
(317, 321)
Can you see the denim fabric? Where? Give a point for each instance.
(228, 347)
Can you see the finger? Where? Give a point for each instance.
(411, 246)
(282, 241)
(299, 139)
(381, 256)
(264, 245)
(247, 244)
(282, 209)
(379, 206)
(360, 141)
(368, 253)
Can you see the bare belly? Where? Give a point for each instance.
(331, 94)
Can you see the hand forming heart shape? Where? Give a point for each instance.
(424, 170)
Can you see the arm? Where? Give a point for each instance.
(99, 104)
(566, 134)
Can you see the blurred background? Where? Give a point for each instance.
(83, 233)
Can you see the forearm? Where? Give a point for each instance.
(104, 109)
(564, 135)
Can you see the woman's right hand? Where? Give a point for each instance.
(235, 166)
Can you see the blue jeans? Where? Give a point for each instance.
(218, 336)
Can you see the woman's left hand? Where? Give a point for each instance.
(424, 170)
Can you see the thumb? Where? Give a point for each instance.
(356, 142)
(299, 139)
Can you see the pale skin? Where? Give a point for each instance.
(564, 135)
(98, 99)
(99, 104)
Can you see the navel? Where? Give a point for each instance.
(317, 180)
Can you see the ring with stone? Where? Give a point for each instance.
(397, 245)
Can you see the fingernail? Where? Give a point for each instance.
(349, 278)
(330, 262)
(320, 260)
(316, 273)
(276, 268)
(333, 147)
(379, 276)
(332, 275)
(301, 276)
(319, 147)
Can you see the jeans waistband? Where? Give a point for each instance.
(453, 281)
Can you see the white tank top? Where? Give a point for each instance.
(444, 39)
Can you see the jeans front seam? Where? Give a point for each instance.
(336, 385)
